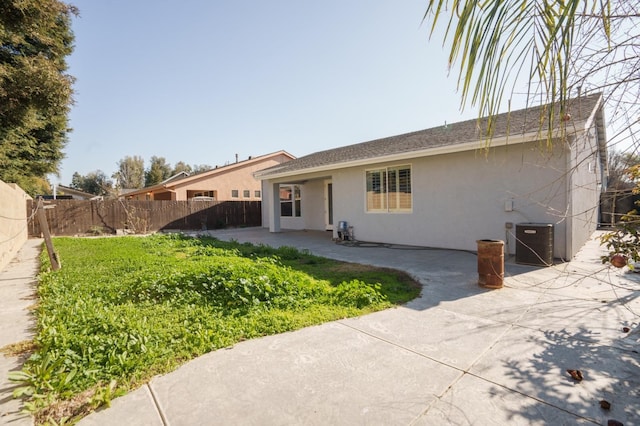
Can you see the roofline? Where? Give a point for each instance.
(191, 178)
(447, 149)
(76, 191)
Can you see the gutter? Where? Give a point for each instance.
(428, 152)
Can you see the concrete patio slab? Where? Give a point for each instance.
(536, 279)
(535, 363)
(137, 409)
(597, 283)
(329, 374)
(504, 305)
(474, 401)
(10, 408)
(596, 321)
(17, 291)
(438, 334)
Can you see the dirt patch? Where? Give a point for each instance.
(21, 348)
(77, 407)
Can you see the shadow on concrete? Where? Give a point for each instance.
(609, 374)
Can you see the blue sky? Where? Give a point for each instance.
(201, 81)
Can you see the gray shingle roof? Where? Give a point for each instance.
(515, 123)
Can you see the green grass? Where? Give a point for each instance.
(122, 310)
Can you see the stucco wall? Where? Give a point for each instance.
(13, 221)
(240, 179)
(224, 180)
(266, 202)
(313, 207)
(460, 198)
(586, 180)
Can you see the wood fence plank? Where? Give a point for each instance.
(76, 217)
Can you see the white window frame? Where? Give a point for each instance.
(390, 199)
(295, 192)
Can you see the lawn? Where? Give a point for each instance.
(122, 310)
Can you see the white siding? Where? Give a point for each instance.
(585, 175)
(460, 198)
(313, 205)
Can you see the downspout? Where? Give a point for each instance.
(568, 249)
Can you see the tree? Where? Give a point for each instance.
(96, 183)
(130, 174)
(181, 166)
(620, 169)
(35, 91)
(77, 181)
(624, 242)
(201, 168)
(158, 171)
(562, 47)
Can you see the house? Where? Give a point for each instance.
(61, 192)
(233, 182)
(450, 186)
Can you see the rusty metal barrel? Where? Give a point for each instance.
(490, 263)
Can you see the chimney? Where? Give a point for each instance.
(236, 158)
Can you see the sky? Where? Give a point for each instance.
(200, 81)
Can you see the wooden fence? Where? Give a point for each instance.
(615, 204)
(76, 217)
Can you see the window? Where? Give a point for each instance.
(389, 189)
(234, 193)
(290, 201)
(257, 194)
(191, 194)
(246, 193)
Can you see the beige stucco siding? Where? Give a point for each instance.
(223, 180)
(13, 221)
(240, 179)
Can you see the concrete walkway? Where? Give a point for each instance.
(17, 294)
(459, 354)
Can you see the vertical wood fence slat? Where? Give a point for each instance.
(74, 217)
(616, 204)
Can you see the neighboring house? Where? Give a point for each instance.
(62, 192)
(449, 186)
(233, 182)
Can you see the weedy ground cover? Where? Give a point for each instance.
(122, 310)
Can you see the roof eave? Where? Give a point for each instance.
(428, 152)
